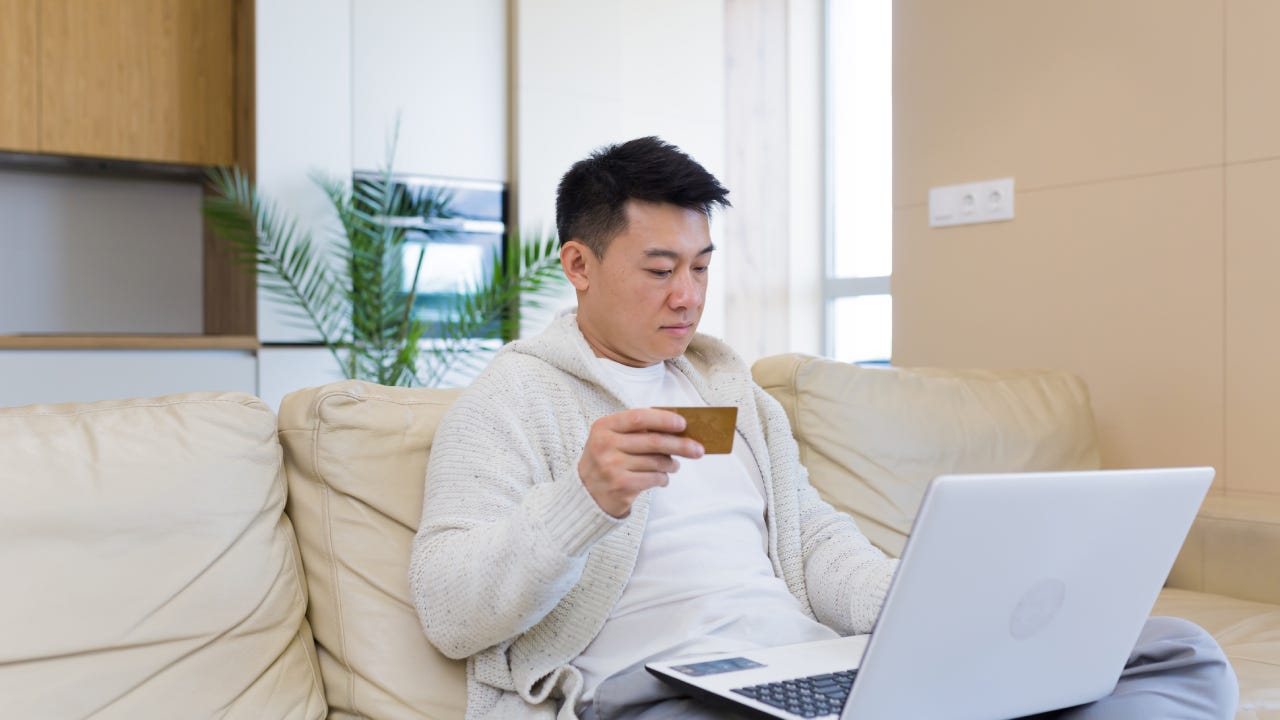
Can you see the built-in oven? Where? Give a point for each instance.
(456, 251)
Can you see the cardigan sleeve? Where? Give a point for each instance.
(846, 577)
(500, 541)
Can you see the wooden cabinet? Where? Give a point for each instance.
(138, 79)
(149, 80)
(19, 98)
(156, 81)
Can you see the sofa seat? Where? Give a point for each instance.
(1248, 631)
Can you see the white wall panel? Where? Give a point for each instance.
(303, 120)
(440, 65)
(281, 370)
(52, 376)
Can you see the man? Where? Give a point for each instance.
(569, 535)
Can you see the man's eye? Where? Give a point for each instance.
(660, 273)
(700, 269)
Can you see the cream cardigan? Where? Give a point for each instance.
(516, 568)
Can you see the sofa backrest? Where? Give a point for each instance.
(873, 438)
(149, 569)
(356, 457)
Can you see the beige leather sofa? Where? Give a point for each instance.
(194, 556)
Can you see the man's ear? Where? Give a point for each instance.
(575, 260)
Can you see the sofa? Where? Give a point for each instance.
(197, 556)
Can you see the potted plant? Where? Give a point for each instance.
(354, 294)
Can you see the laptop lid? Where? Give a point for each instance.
(1024, 592)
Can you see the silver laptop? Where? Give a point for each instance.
(1017, 593)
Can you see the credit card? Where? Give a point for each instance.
(711, 426)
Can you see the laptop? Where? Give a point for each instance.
(1016, 594)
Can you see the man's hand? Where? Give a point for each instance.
(630, 452)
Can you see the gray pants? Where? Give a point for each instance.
(1176, 672)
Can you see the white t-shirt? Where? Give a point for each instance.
(703, 581)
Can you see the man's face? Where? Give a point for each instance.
(640, 304)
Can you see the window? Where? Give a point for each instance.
(859, 118)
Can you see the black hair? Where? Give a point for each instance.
(591, 197)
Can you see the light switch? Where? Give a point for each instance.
(971, 203)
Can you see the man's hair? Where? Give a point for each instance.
(591, 197)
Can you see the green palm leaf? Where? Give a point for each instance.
(267, 239)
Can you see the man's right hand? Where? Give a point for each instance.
(630, 452)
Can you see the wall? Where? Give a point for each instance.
(93, 254)
(1142, 137)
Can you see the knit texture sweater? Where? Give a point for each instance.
(516, 568)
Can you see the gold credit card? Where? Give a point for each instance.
(711, 426)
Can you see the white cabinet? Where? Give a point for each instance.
(55, 376)
(303, 75)
(442, 66)
(282, 370)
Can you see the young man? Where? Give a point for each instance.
(568, 535)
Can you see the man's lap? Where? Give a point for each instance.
(1176, 669)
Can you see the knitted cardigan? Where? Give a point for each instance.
(516, 568)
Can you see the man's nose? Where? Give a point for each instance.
(686, 291)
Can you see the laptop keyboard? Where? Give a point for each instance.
(812, 696)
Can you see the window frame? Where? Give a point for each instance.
(835, 288)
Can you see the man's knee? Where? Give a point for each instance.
(1190, 651)
(1173, 639)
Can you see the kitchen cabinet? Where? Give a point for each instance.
(439, 66)
(19, 98)
(148, 80)
(166, 86)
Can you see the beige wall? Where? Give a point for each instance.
(1145, 140)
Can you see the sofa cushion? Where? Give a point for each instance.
(1248, 631)
(356, 455)
(149, 569)
(1232, 537)
(873, 438)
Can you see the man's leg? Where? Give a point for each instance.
(1177, 672)
(634, 694)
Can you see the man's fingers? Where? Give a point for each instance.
(652, 463)
(637, 482)
(645, 420)
(630, 452)
(656, 443)
(659, 479)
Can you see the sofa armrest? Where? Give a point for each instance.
(1233, 549)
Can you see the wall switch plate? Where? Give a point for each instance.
(971, 203)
